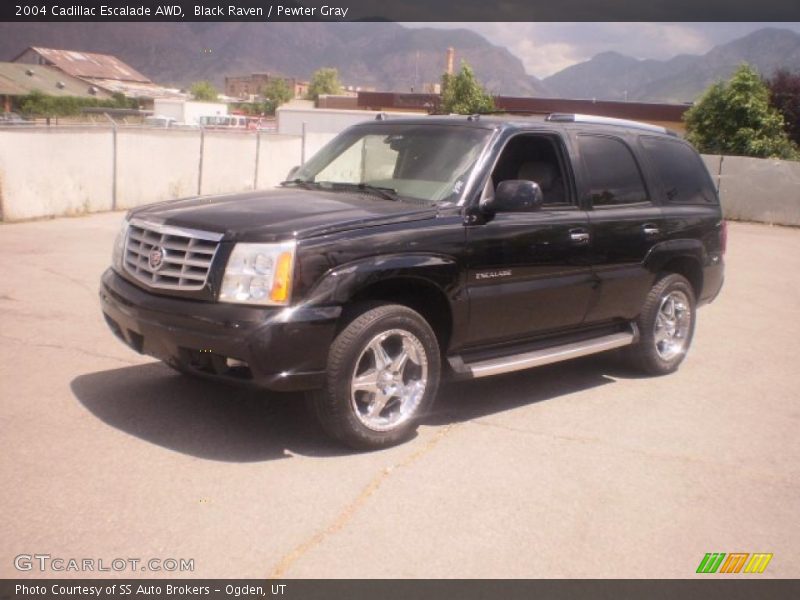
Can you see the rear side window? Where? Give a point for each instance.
(681, 171)
(613, 175)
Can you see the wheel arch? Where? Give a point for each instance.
(424, 283)
(689, 267)
(417, 294)
(683, 257)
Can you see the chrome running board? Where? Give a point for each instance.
(545, 356)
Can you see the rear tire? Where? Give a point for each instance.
(666, 326)
(382, 376)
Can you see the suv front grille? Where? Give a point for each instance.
(174, 258)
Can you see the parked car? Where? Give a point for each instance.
(225, 122)
(12, 118)
(406, 251)
(160, 121)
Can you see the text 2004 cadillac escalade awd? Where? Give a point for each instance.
(412, 249)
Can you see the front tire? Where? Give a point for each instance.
(383, 372)
(666, 326)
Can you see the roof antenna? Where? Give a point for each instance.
(381, 116)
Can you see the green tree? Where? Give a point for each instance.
(324, 81)
(784, 94)
(204, 91)
(735, 117)
(276, 92)
(463, 94)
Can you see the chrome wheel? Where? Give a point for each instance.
(673, 325)
(389, 380)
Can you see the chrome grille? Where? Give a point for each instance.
(185, 255)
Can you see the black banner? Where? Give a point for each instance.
(401, 10)
(230, 589)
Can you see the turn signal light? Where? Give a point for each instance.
(281, 284)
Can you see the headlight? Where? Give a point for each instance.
(118, 254)
(259, 274)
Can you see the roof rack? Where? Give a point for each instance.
(598, 120)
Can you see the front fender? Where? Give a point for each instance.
(343, 282)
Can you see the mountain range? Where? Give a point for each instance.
(385, 56)
(614, 76)
(390, 57)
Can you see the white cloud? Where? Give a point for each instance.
(543, 59)
(652, 40)
(546, 48)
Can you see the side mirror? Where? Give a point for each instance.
(514, 195)
(292, 173)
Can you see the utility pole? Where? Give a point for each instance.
(416, 72)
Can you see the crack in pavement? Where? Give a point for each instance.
(568, 438)
(70, 348)
(79, 283)
(638, 451)
(348, 513)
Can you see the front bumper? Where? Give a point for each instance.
(282, 349)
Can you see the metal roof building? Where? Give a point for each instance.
(84, 65)
(103, 71)
(21, 79)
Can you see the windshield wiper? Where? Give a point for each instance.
(301, 182)
(386, 193)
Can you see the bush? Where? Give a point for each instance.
(735, 117)
(37, 104)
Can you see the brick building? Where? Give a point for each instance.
(248, 87)
(666, 115)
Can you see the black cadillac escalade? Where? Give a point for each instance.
(410, 250)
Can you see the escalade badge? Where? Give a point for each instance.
(493, 274)
(156, 258)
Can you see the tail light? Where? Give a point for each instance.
(723, 237)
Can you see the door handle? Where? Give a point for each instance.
(650, 229)
(579, 235)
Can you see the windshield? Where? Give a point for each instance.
(429, 163)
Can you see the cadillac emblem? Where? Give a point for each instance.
(155, 259)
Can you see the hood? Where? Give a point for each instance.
(282, 213)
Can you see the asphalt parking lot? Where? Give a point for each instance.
(574, 470)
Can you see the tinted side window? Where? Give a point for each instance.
(681, 171)
(534, 158)
(614, 176)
